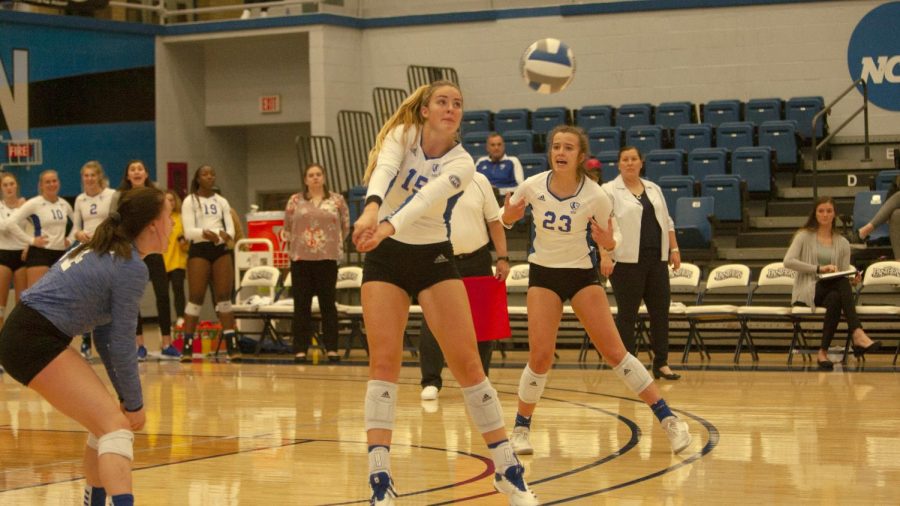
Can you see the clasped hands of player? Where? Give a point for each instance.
(367, 232)
(215, 238)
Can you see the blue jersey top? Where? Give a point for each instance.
(103, 293)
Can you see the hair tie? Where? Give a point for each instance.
(115, 218)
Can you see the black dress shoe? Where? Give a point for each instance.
(859, 351)
(826, 365)
(657, 374)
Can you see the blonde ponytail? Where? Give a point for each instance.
(408, 114)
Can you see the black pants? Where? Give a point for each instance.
(160, 281)
(314, 278)
(431, 358)
(647, 280)
(176, 281)
(836, 295)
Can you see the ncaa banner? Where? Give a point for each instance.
(874, 55)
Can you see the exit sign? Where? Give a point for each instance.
(269, 104)
(18, 150)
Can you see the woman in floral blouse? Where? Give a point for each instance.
(316, 222)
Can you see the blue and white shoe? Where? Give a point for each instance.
(512, 484)
(142, 353)
(383, 493)
(170, 353)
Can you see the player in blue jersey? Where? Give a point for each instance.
(570, 210)
(97, 285)
(416, 172)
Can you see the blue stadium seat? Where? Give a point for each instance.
(759, 110)
(704, 162)
(356, 198)
(690, 137)
(609, 165)
(753, 165)
(476, 121)
(865, 205)
(781, 136)
(475, 143)
(885, 179)
(692, 227)
(591, 116)
(663, 162)
(671, 114)
(716, 112)
(802, 110)
(675, 187)
(726, 190)
(604, 139)
(545, 119)
(519, 142)
(734, 134)
(629, 115)
(511, 119)
(533, 163)
(646, 137)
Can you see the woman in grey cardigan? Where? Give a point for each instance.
(816, 249)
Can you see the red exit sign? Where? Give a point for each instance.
(270, 104)
(18, 150)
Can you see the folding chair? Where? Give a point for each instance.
(799, 344)
(730, 278)
(881, 279)
(774, 279)
(262, 279)
(349, 306)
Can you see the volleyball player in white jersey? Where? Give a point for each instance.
(48, 213)
(12, 248)
(569, 209)
(416, 172)
(91, 208)
(208, 225)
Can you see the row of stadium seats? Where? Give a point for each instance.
(667, 115)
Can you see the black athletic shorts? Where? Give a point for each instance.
(43, 257)
(565, 282)
(211, 252)
(412, 267)
(28, 343)
(12, 259)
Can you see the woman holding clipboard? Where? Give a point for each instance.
(819, 255)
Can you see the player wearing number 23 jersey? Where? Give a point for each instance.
(562, 226)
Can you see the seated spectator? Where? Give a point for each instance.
(818, 249)
(503, 171)
(887, 214)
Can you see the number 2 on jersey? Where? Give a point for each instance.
(564, 220)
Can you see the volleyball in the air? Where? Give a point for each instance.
(548, 66)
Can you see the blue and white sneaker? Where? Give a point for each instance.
(142, 353)
(170, 353)
(383, 493)
(512, 484)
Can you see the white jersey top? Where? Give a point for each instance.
(48, 218)
(205, 213)
(418, 193)
(90, 211)
(476, 206)
(561, 228)
(9, 241)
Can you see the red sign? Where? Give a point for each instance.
(270, 104)
(18, 151)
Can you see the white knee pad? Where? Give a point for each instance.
(631, 371)
(381, 403)
(120, 442)
(223, 307)
(92, 441)
(192, 309)
(531, 385)
(484, 406)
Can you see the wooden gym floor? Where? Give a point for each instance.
(274, 433)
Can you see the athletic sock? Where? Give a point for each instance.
(503, 456)
(523, 421)
(379, 459)
(123, 500)
(661, 410)
(94, 496)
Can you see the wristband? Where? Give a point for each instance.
(504, 258)
(507, 227)
(373, 198)
(674, 250)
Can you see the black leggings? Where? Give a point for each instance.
(836, 295)
(176, 280)
(314, 278)
(648, 279)
(160, 281)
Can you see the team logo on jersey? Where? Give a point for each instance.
(541, 197)
(435, 168)
(455, 182)
(574, 206)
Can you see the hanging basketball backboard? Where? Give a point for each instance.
(21, 153)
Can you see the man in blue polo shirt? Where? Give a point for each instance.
(503, 171)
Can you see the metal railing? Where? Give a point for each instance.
(827, 109)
